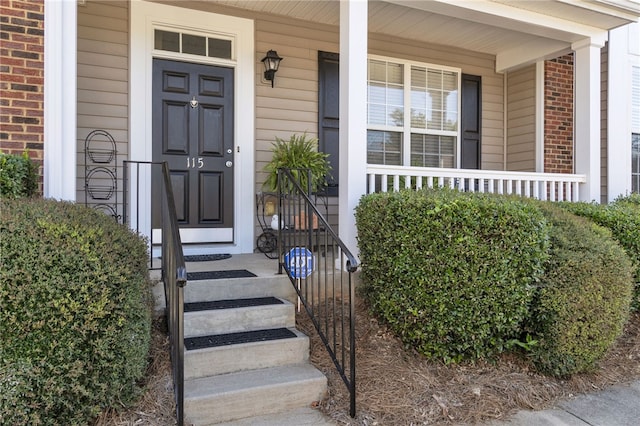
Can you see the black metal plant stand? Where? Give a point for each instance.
(100, 173)
(266, 207)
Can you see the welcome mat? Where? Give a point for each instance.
(206, 257)
(192, 343)
(216, 275)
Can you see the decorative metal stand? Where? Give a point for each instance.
(100, 172)
(266, 207)
(266, 212)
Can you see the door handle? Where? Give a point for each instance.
(229, 163)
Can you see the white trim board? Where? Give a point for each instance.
(145, 17)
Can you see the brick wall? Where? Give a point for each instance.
(558, 115)
(22, 78)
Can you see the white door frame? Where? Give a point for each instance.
(145, 17)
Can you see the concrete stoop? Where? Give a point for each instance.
(246, 356)
(211, 400)
(264, 382)
(297, 417)
(221, 321)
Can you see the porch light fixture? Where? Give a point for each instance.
(271, 63)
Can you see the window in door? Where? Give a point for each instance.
(412, 114)
(213, 47)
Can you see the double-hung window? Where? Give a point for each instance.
(412, 114)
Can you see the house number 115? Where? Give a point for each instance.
(194, 162)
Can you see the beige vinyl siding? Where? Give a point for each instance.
(292, 105)
(103, 87)
(470, 63)
(521, 134)
(604, 68)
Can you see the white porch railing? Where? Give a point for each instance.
(543, 186)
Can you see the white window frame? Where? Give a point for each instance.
(406, 129)
(635, 115)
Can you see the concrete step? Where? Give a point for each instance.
(240, 288)
(297, 417)
(222, 321)
(246, 356)
(234, 396)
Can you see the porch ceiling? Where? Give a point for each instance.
(517, 32)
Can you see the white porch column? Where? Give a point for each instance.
(539, 116)
(60, 163)
(618, 114)
(587, 115)
(353, 115)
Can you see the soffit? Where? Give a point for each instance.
(505, 28)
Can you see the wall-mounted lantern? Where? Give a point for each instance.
(271, 63)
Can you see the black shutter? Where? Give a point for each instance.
(329, 113)
(471, 122)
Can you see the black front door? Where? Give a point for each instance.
(193, 133)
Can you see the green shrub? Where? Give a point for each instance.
(451, 273)
(18, 176)
(629, 199)
(584, 296)
(622, 218)
(74, 313)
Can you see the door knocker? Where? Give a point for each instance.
(193, 102)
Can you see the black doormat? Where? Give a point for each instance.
(202, 342)
(216, 275)
(206, 257)
(230, 304)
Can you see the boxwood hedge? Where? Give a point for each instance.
(74, 312)
(18, 175)
(629, 199)
(451, 273)
(622, 218)
(584, 296)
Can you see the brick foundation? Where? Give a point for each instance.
(22, 78)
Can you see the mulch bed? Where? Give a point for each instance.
(396, 386)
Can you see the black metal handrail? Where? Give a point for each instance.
(321, 268)
(174, 272)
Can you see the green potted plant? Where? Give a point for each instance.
(299, 154)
